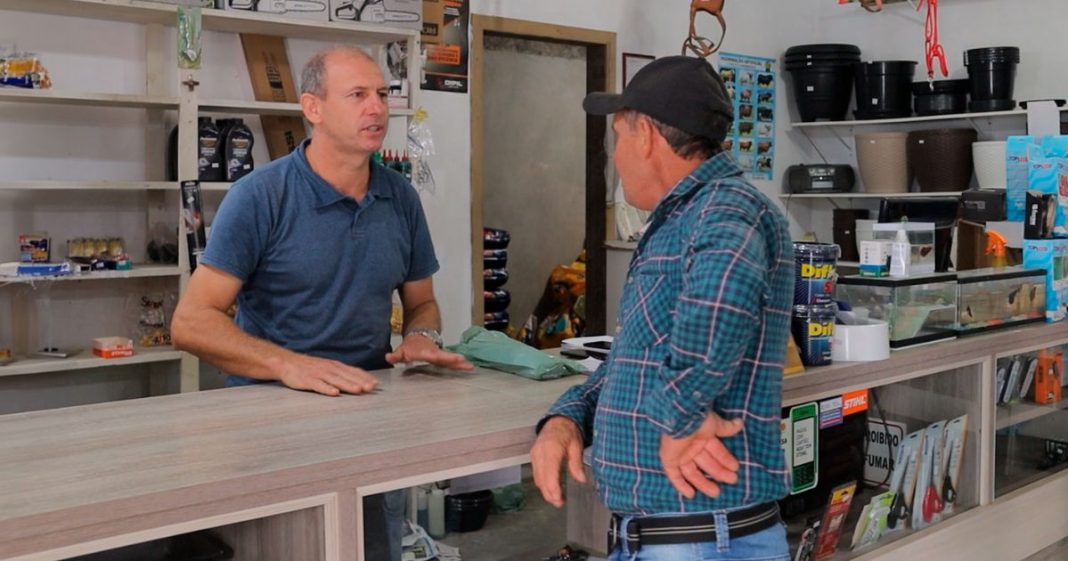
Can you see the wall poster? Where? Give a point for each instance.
(751, 83)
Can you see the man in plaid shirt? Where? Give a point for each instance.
(683, 416)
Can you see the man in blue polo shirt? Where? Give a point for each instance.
(311, 247)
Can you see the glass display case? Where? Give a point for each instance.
(918, 309)
(997, 298)
(1031, 441)
(910, 461)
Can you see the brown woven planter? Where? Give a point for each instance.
(942, 158)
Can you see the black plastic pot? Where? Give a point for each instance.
(467, 512)
(983, 105)
(942, 97)
(883, 89)
(823, 92)
(824, 49)
(992, 73)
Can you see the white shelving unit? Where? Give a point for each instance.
(910, 120)
(88, 185)
(788, 196)
(86, 360)
(156, 102)
(137, 272)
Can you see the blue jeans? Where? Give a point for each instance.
(765, 545)
(383, 526)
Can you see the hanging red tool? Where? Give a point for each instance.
(931, 46)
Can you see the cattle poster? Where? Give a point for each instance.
(751, 83)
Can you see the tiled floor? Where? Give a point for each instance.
(531, 534)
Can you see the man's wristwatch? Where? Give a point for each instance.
(429, 333)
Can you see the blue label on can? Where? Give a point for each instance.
(813, 330)
(815, 282)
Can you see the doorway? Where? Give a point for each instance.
(538, 162)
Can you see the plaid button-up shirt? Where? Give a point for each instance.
(704, 320)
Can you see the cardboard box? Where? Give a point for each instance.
(113, 347)
(406, 14)
(313, 10)
(1048, 377)
(1051, 255)
(433, 21)
(272, 80)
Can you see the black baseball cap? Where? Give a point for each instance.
(684, 92)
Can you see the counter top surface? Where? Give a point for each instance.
(58, 459)
(73, 459)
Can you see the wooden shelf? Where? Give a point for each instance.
(138, 272)
(52, 97)
(1016, 413)
(250, 107)
(232, 21)
(128, 11)
(787, 196)
(215, 186)
(907, 120)
(238, 21)
(86, 359)
(54, 185)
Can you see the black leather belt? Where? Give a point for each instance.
(690, 528)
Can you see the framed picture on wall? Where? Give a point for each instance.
(632, 63)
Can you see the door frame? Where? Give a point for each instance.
(600, 76)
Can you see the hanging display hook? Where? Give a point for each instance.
(932, 47)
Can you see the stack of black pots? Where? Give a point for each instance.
(992, 74)
(884, 89)
(823, 79)
(494, 276)
(941, 97)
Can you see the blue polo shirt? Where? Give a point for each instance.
(319, 269)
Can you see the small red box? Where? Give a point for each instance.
(113, 347)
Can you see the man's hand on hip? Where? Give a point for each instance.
(417, 348)
(328, 377)
(558, 440)
(695, 461)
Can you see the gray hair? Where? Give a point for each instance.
(684, 144)
(313, 75)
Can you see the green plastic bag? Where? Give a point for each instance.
(493, 349)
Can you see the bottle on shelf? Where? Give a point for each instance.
(239, 143)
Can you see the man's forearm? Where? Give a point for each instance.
(425, 315)
(213, 336)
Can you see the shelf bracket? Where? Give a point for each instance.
(814, 146)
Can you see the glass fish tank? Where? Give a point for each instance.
(996, 298)
(918, 309)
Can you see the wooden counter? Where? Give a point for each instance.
(84, 479)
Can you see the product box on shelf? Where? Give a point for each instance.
(113, 347)
(1052, 257)
(433, 21)
(407, 14)
(313, 10)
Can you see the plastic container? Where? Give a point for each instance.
(942, 158)
(493, 238)
(822, 77)
(941, 97)
(492, 279)
(992, 76)
(861, 343)
(882, 159)
(815, 269)
(918, 310)
(494, 258)
(467, 512)
(921, 238)
(813, 331)
(496, 300)
(884, 89)
(988, 158)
